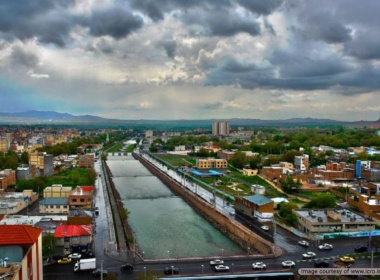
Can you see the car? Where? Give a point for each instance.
(303, 243)
(266, 228)
(259, 265)
(171, 270)
(347, 259)
(321, 263)
(220, 268)
(309, 255)
(74, 256)
(64, 260)
(97, 272)
(361, 248)
(216, 262)
(325, 246)
(232, 212)
(288, 264)
(126, 267)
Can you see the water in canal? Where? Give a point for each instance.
(165, 226)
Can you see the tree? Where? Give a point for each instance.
(91, 176)
(239, 160)
(322, 200)
(49, 244)
(24, 158)
(289, 185)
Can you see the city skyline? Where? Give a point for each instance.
(172, 59)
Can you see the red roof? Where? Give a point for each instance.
(72, 230)
(19, 234)
(88, 188)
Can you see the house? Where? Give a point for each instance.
(21, 252)
(74, 238)
(81, 198)
(255, 206)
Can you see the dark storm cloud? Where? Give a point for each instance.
(301, 74)
(365, 45)
(116, 22)
(325, 27)
(261, 7)
(46, 20)
(170, 47)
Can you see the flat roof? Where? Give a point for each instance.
(320, 216)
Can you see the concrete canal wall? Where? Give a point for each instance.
(231, 228)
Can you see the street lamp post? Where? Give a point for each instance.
(249, 250)
(144, 272)
(232, 267)
(168, 254)
(172, 270)
(222, 251)
(202, 268)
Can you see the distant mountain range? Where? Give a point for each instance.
(33, 117)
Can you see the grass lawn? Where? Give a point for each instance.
(72, 177)
(177, 160)
(116, 148)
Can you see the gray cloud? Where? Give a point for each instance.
(46, 20)
(23, 57)
(365, 45)
(261, 7)
(115, 22)
(170, 47)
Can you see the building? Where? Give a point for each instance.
(249, 172)
(221, 128)
(315, 223)
(54, 206)
(43, 161)
(74, 238)
(81, 198)
(148, 133)
(24, 172)
(13, 202)
(7, 178)
(225, 154)
(301, 163)
(57, 191)
(255, 206)
(211, 163)
(21, 252)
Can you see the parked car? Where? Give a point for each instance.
(321, 263)
(126, 267)
(347, 259)
(75, 256)
(97, 272)
(171, 270)
(259, 265)
(220, 268)
(303, 243)
(266, 228)
(216, 262)
(361, 248)
(309, 255)
(325, 246)
(288, 264)
(64, 260)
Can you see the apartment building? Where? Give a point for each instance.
(81, 198)
(221, 128)
(54, 206)
(74, 237)
(43, 161)
(57, 191)
(301, 163)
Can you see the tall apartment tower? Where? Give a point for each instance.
(220, 128)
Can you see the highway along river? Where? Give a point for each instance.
(164, 225)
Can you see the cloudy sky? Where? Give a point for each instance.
(192, 59)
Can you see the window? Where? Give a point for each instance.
(82, 200)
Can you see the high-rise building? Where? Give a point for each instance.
(221, 128)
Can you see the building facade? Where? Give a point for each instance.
(221, 128)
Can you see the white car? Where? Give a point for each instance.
(266, 228)
(222, 268)
(309, 255)
(325, 246)
(303, 243)
(288, 264)
(74, 256)
(216, 262)
(259, 265)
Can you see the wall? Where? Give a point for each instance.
(234, 230)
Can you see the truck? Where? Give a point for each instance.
(85, 264)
